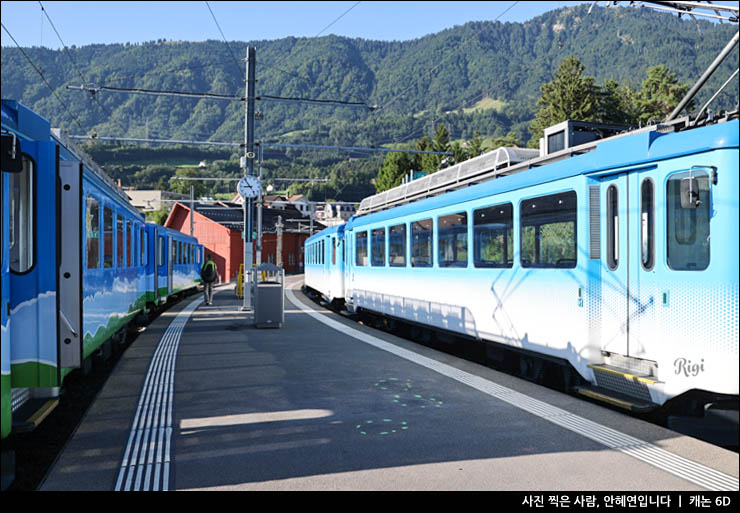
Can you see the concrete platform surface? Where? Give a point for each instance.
(205, 401)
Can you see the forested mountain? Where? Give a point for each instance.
(482, 75)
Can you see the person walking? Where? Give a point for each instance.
(208, 274)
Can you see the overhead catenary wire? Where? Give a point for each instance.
(336, 20)
(77, 68)
(236, 61)
(66, 108)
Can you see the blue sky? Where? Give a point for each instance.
(82, 23)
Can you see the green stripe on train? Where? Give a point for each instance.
(33, 374)
(6, 417)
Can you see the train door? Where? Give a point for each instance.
(5, 302)
(69, 269)
(33, 242)
(614, 198)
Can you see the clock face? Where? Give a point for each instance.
(249, 186)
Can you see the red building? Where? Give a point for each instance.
(219, 228)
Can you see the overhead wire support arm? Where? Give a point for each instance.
(241, 145)
(354, 148)
(94, 89)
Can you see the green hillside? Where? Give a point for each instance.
(482, 75)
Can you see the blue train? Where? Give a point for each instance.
(79, 264)
(610, 263)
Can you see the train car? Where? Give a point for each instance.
(75, 256)
(173, 263)
(324, 263)
(73, 276)
(613, 264)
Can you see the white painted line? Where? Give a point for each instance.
(691, 471)
(144, 451)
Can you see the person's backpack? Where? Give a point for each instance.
(208, 273)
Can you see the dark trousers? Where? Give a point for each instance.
(208, 291)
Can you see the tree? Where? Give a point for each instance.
(617, 104)
(510, 139)
(475, 147)
(183, 186)
(396, 166)
(424, 161)
(460, 153)
(570, 95)
(660, 94)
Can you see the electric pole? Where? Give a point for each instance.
(248, 165)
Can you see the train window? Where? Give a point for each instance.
(452, 240)
(119, 240)
(548, 231)
(421, 243)
(161, 251)
(22, 218)
(128, 243)
(688, 227)
(333, 251)
(612, 228)
(143, 247)
(107, 237)
(647, 231)
(173, 256)
(493, 236)
(361, 248)
(378, 250)
(134, 244)
(555, 142)
(92, 232)
(397, 246)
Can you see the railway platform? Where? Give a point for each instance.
(203, 400)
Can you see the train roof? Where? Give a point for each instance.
(338, 229)
(30, 126)
(174, 233)
(633, 146)
(630, 150)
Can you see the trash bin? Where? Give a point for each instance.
(269, 301)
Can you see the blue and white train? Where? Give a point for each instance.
(79, 264)
(614, 261)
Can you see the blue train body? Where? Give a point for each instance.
(324, 262)
(596, 261)
(78, 262)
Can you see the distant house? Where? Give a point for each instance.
(298, 201)
(301, 204)
(151, 200)
(334, 213)
(219, 228)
